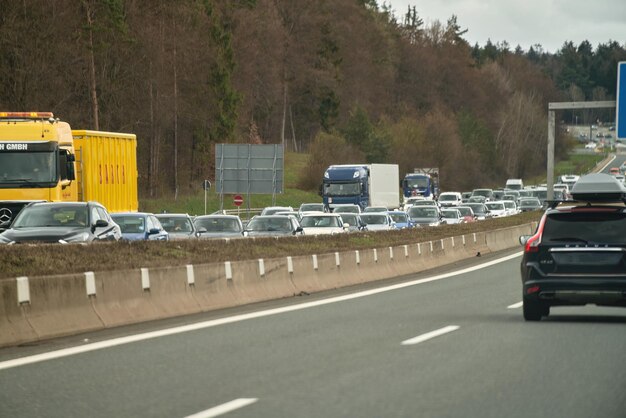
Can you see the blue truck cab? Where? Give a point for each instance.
(423, 182)
(346, 184)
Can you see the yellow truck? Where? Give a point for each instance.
(43, 159)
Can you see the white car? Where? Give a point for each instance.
(322, 224)
(511, 207)
(497, 208)
(410, 201)
(448, 199)
(374, 209)
(451, 216)
(270, 210)
(378, 221)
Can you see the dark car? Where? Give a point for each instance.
(62, 222)
(272, 225)
(577, 255)
(179, 226)
(425, 215)
(140, 226)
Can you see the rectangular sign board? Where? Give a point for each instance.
(249, 169)
(620, 107)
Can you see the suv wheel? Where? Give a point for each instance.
(534, 310)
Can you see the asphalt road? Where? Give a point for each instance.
(347, 359)
(618, 161)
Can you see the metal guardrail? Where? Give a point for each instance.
(242, 213)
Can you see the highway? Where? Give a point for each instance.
(426, 345)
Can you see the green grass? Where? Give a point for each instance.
(574, 164)
(47, 259)
(295, 164)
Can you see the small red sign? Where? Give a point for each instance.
(238, 200)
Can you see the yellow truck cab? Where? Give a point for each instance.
(42, 159)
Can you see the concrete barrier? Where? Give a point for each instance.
(61, 305)
(14, 325)
(502, 238)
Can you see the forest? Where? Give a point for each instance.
(346, 81)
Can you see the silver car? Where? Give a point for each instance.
(219, 226)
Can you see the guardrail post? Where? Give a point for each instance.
(145, 279)
(90, 283)
(191, 277)
(23, 290)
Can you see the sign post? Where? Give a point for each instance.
(206, 185)
(620, 106)
(238, 200)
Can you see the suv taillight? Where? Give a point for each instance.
(532, 245)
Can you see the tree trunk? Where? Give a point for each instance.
(92, 69)
(175, 121)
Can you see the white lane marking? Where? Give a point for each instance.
(237, 318)
(515, 305)
(607, 164)
(224, 408)
(430, 335)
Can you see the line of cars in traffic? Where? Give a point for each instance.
(70, 222)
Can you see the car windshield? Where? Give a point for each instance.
(28, 167)
(40, 216)
(348, 218)
(450, 214)
(529, 203)
(465, 211)
(423, 212)
(273, 210)
(218, 224)
(399, 218)
(425, 203)
(130, 224)
(342, 189)
(278, 223)
(478, 208)
(374, 219)
(494, 206)
(593, 227)
(447, 197)
(482, 192)
(311, 207)
(417, 183)
(175, 223)
(347, 209)
(320, 222)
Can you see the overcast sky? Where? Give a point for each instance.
(527, 22)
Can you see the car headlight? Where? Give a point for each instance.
(80, 237)
(433, 224)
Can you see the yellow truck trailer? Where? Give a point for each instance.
(42, 159)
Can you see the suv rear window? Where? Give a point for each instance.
(600, 227)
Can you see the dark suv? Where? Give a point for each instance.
(577, 256)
